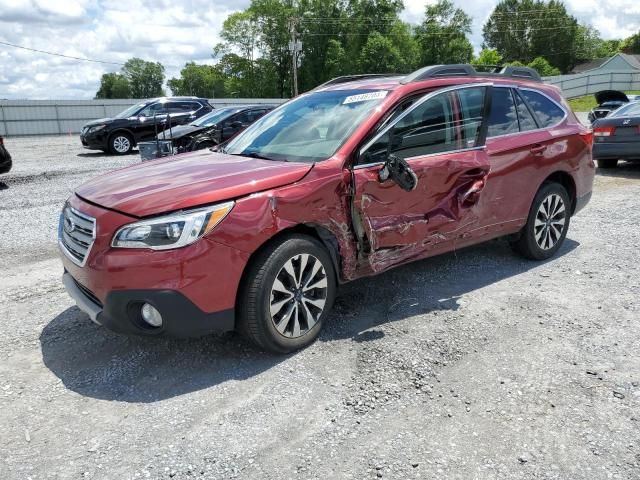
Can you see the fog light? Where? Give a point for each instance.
(151, 315)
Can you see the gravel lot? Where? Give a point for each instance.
(473, 365)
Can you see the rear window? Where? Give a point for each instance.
(631, 110)
(546, 111)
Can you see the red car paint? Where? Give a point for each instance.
(462, 198)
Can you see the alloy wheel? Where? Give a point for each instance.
(550, 221)
(121, 144)
(298, 295)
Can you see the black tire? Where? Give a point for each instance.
(533, 241)
(255, 320)
(607, 163)
(120, 143)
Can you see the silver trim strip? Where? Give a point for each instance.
(82, 301)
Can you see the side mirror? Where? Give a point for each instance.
(236, 124)
(399, 171)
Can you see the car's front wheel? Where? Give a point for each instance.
(607, 163)
(288, 291)
(547, 224)
(120, 144)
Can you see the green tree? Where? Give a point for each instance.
(199, 80)
(488, 57)
(145, 78)
(442, 35)
(335, 59)
(609, 48)
(379, 55)
(631, 45)
(113, 85)
(525, 29)
(543, 67)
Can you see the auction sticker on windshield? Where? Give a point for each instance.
(364, 97)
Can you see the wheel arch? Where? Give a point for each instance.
(123, 130)
(320, 233)
(566, 180)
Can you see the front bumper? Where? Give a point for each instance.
(194, 287)
(618, 150)
(121, 311)
(95, 141)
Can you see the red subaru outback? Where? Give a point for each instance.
(349, 180)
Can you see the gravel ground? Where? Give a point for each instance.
(473, 365)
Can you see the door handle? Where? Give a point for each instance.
(538, 149)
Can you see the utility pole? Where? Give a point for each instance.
(295, 46)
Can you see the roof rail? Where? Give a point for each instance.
(351, 78)
(467, 70)
(521, 72)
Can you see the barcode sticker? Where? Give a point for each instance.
(365, 97)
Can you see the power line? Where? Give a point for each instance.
(55, 54)
(71, 57)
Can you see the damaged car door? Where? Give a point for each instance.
(417, 181)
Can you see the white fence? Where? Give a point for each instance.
(585, 83)
(55, 117)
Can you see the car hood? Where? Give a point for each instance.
(99, 121)
(188, 180)
(179, 131)
(610, 96)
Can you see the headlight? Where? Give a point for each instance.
(171, 231)
(96, 128)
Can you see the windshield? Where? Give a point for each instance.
(308, 129)
(131, 111)
(629, 110)
(214, 117)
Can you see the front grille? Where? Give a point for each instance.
(88, 293)
(76, 234)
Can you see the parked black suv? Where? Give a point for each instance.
(5, 158)
(140, 122)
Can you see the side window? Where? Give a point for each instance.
(527, 122)
(471, 108)
(503, 118)
(153, 109)
(428, 128)
(182, 107)
(546, 111)
(256, 114)
(244, 118)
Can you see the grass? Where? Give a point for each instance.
(586, 103)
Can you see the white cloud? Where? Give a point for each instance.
(173, 33)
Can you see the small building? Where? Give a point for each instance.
(620, 61)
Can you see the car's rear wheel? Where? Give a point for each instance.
(120, 144)
(288, 291)
(547, 224)
(607, 163)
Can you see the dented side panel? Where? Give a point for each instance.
(402, 225)
(322, 199)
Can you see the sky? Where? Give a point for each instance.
(173, 33)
